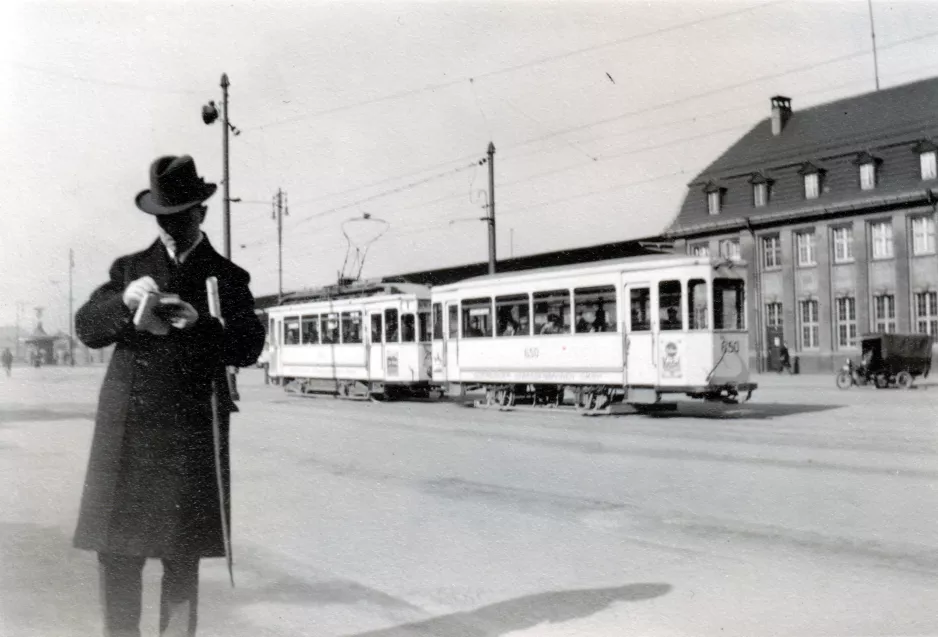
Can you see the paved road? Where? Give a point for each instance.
(809, 511)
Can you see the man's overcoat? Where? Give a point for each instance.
(151, 488)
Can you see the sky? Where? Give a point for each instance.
(601, 113)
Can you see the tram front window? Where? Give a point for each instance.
(697, 304)
(728, 304)
(640, 307)
(669, 304)
(438, 321)
(408, 328)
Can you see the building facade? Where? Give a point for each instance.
(834, 211)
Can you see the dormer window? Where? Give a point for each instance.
(714, 197)
(812, 180)
(760, 190)
(867, 164)
(812, 186)
(927, 155)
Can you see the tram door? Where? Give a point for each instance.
(375, 346)
(641, 335)
(275, 338)
(451, 342)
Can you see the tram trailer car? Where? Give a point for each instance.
(629, 330)
(373, 342)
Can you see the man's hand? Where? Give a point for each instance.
(180, 314)
(138, 290)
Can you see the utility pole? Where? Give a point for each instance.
(225, 177)
(873, 37)
(16, 346)
(491, 207)
(280, 209)
(71, 320)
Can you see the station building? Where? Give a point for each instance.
(833, 208)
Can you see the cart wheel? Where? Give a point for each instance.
(904, 380)
(844, 380)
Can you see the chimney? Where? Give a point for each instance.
(781, 112)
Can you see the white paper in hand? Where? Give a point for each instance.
(147, 320)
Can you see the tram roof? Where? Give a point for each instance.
(365, 289)
(623, 264)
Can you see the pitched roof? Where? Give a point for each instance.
(901, 112)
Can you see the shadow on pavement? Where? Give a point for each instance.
(44, 414)
(746, 411)
(524, 612)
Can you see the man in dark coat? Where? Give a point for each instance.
(152, 489)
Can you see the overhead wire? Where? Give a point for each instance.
(537, 62)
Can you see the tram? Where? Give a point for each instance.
(368, 340)
(634, 330)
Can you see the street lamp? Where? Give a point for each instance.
(209, 115)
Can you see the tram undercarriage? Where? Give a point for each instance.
(355, 389)
(602, 399)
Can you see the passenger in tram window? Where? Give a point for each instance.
(552, 326)
(474, 330)
(510, 328)
(524, 326)
(673, 320)
(599, 323)
(581, 324)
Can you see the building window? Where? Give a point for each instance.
(868, 176)
(714, 199)
(729, 249)
(926, 313)
(928, 164)
(843, 245)
(771, 252)
(809, 324)
(881, 231)
(812, 186)
(846, 322)
(700, 250)
(773, 315)
(884, 313)
(923, 235)
(806, 250)
(760, 195)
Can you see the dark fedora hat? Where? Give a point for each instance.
(174, 187)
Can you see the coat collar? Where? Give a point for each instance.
(157, 262)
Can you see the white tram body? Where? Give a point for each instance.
(622, 330)
(371, 340)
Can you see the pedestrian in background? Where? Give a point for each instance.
(7, 357)
(151, 489)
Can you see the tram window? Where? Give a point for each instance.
(438, 321)
(423, 325)
(669, 305)
(697, 304)
(728, 308)
(640, 307)
(291, 330)
(595, 309)
(375, 328)
(552, 312)
(453, 318)
(351, 327)
(311, 330)
(408, 328)
(329, 328)
(477, 318)
(513, 314)
(391, 333)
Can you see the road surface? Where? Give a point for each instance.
(809, 511)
